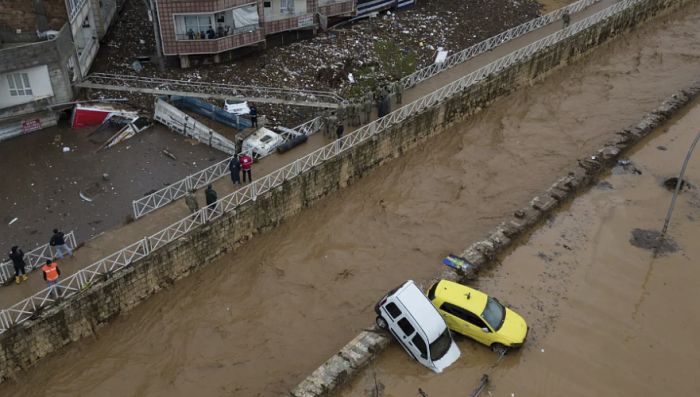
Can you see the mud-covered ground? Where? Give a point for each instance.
(41, 184)
(369, 49)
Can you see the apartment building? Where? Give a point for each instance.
(189, 28)
(45, 46)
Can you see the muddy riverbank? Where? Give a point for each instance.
(262, 318)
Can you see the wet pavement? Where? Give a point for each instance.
(257, 321)
(606, 318)
(42, 184)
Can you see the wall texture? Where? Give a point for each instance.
(80, 315)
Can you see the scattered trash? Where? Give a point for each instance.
(136, 66)
(351, 79)
(542, 350)
(105, 176)
(167, 153)
(84, 197)
(13, 221)
(662, 147)
(626, 167)
(670, 184)
(66, 149)
(457, 263)
(441, 55)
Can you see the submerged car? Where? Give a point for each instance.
(417, 326)
(476, 315)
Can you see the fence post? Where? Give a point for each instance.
(146, 246)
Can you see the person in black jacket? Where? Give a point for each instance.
(17, 257)
(58, 241)
(211, 197)
(235, 167)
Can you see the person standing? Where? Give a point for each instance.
(17, 257)
(235, 167)
(398, 92)
(191, 201)
(247, 166)
(58, 241)
(367, 109)
(339, 130)
(210, 196)
(254, 116)
(566, 18)
(51, 273)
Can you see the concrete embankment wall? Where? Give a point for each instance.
(79, 316)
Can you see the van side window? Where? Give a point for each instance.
(463, 314)
(393, 309)
(405, 326)
(420, 344)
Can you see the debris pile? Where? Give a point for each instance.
(375, 50)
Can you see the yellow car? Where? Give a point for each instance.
(476, 315)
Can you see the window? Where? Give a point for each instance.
(494, 313)
(441, 345)
(420, 344)
(287, 6)
(19, 84)
(393, 310)
(405, 326)
(463, 314)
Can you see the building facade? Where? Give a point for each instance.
(213, 27)
(45, 46)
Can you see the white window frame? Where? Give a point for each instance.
(287, 6)
(19, 84)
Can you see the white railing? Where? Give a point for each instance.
(491, 43)
(201, 178)
(34, 258)
(81, 280)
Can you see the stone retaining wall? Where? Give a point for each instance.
(79, 316)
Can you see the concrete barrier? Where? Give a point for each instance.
(79, 316)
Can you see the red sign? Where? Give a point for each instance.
(31, 125)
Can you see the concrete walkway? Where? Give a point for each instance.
(115, 239)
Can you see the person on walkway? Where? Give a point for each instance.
(51, 273)
(367, 109)
(58, 241)
(191, 201)
(210, 196)
(247, 166)
(254, 116)
(398, 92)
(339, 130)
(566, 18)
(17, 258)
(235, 167)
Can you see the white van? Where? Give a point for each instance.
(417, 326)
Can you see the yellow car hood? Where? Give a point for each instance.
(514, 327)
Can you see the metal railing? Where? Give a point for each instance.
(491, 43)
(81, 280)
(158, 86)
(34, 258)
(202, 178)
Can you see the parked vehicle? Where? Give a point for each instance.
(417, 326)
(476, 315)
(262, 142)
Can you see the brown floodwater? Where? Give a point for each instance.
(257, 321)
(606, 317)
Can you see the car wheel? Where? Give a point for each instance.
(381, 323)
(499, 349)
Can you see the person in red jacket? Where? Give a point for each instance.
(246, 165)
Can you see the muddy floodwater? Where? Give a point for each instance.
(606, 317)
(257, 321)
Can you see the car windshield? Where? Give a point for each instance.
(494, 313)
(441, 345)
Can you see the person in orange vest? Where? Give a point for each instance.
(246, 165)
(51, 273)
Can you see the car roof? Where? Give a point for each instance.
(455, 293)
(421, 309)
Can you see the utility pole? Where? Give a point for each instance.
(679, 182)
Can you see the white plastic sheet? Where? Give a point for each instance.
(245, 16)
